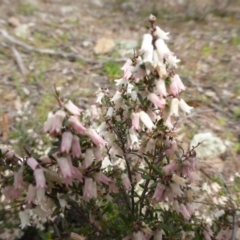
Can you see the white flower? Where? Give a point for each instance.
(215, 187)
(174, 107)
(184, 106)
(179, 180)
(41, 195)
(117, 96)
(219, 213)
(24, 218)
(100, 95)
(176, 189)
(162, 49)
(88, 158)
(172, 60)
(102, 127)
(133, 136)
(161, 88)
(129, 88)
(162, 70)
(134, 95)
(120, 81)
(160, 33)
(110, 112)
(146, 43)
(156, 58)
(146, 120)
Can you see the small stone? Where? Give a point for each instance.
(18, 103)
(97, 3)
(104, 45)
(67, 9)
(128, 6)
(10, 95)
(26, 91)
(86, 44)
(22, 31)
(211, 94)
(126, 47)
(14, 22)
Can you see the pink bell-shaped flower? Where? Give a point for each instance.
(72, 108)
(31, 194)
(97, 140)
(76, 147)
(158, 102)
(24, 218)
(32, 163)
(89, 189)
(65, 167)
(66, 143)
(135, 120)
(158, 194)
(76, 125)
(40, 178)
(57, 122)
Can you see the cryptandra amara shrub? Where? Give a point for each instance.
(117, 170)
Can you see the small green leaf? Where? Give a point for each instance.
(56, 230)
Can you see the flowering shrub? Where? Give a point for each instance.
(117, 170)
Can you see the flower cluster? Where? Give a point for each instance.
(118, 167)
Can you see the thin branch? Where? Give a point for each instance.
(19, 60)
(51, 52)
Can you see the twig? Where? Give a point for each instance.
(19, 60)
(51, 52)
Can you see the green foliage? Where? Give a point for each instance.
(26, 9)
(112, 70)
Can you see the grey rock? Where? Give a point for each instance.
(126, 47)
(210, 147)
(97, 3)
(128, 6)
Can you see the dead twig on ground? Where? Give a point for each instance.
(19, 60)
(51, 52)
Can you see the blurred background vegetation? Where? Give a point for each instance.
(89, 41)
